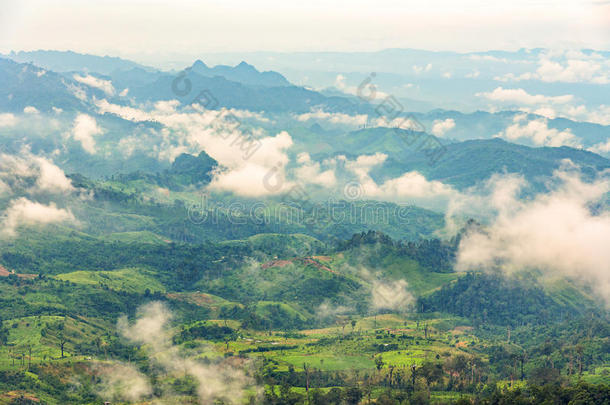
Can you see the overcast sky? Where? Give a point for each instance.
(163, 29)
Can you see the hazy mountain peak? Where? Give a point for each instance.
(199, 64)
(243, 72)
(245, 66)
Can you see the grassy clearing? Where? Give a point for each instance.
(397, 340)
(131, 279)
(140, 237)
(37, 339)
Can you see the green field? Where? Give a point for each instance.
(131, 279)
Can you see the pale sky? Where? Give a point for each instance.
(163, 29)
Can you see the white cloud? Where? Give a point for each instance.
(368, 90)
(251, 164)
(572, 71)
(52, 178)
(399, 122)
(7, 120)
(25, 212)
(409, 186)
(599, 115)
(440, 127)
(310, 172)
(30, 110)
(167, 106)
(422, 69)
(219, 381)
(184, 132)
(84, 130)
(557, 232)
(262, 173)
(480, 201)
(391, 295)
(548, 106)
(602, 147)
(334, 118)
(566, 67)
(520, 96)
(125, 112)
(359, 120)
(327, 310)
(92, 81)
(122, 382)
(77, 91)
(538, 132)
(364, 163)
(20, 171)
(245, 114)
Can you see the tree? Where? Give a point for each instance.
(379, 362)
(62, 343)
(544, 375)
(353, 395)
(431, 372)
(3, 334)
(457, 365)
(306, 369)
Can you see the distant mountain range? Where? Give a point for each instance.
(23, 85)
(222, 92)
(467, 163)
(463, 164)
(241, 87)
(68, 61)
(242, 73)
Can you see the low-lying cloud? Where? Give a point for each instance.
(391, 295)
(31, 174)
(122, 382)
(568, 67)
(95, 82)
(220, 381)
(84, 130)
(7, 120)
(441, 127)
(564, 232)
(520, 96)
(410, 186)
(22, 212)
(538, 132)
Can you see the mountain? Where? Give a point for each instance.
(68, 61)
(124, 278)
(461, 164)
(483, 124)
(435, 79)
(215, 92)
(466, 163)
(137, 76)
(28, 85)
(242, 73)
(24, 85)
(193, 169)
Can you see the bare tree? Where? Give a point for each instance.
(306, 369)
(62, 344)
